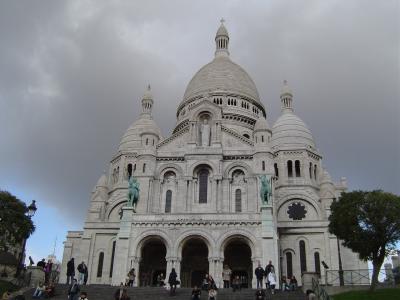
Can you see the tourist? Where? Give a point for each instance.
(226, 276)
(83, 271)
(74, 290)
(6, 295)
(285, 284)
(259, 272)
(204, 285)
(70, 270)
(118, 293)
(83, 296)
(236, 283)
(293, 283)
(47, 271)
(212, 294)
(211, 283)
(260, 294)
(49, 291)
(39, 290)
(311, 295)
(272, 280)
(162, 279)
(266, 272)
(131, 277)
(41, 263)
(196, 293)
(172, 281)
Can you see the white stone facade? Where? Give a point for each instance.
(200, 205)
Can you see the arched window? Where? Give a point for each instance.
(147, 141)
(238, 200)
(297, 168)
(263, 165)
(317, 263)
(310, 170)
(112, 258)
(100, 264)
(168, 201)
(129, 170)
(289, 265)
(303, 260)
(203, 185)
(290, 168)
(262, 139)
(315, 172)
(144, 167)
(276, 169)
(246, 136)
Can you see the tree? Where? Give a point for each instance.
(368, 223)
(15, 225)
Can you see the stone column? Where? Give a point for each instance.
(218, 272)
(136, 265)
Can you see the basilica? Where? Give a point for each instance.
(200, 205)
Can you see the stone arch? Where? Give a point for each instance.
(114, 206)
(210, 164)
(199, 234)
(147, 235)
(206, 106)
(250, 239)
(237, 165)
(162, 169)
(301, 197)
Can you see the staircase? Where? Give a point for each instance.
(106, 292)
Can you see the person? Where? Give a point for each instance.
(6, 295)
(39, 290)
(259, 272)
(293, 283)
(47, 271)
(162, 279)
(49, 291)
(260, 294)
(211, 283)
(236, 284)
(31, 262)
(212, 294)
(311, 295)
(83, 271)
(83, 296)
(131, 277)
(266, 272)
(70, 270)
(73, 290)
(124, 295)
(204, 285)
(226, 276)
(272, 280)
(196, 293)
(285, 284)
(172, 281)
(118, 293)
(41, 263)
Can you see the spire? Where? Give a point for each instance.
(147, 102)
(222, 41)
(286, 98)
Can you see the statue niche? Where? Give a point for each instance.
(205, 133)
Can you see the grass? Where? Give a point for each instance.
(5, 286)
(380, 294)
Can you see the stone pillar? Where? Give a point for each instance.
(218, 272)
(136, 265)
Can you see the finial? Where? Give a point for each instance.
(222, 20)
(148, 87)
(285, 82)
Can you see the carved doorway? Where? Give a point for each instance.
(153, 262)
(194, 264)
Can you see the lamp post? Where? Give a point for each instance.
(30, 213)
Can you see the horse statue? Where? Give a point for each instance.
(266, 189)
(133, 193)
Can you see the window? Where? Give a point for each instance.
(134, 167)
(246, 136)
(263, 165)
(203, 185)
(168, 201)
(147, 141)
(112, 258)
(129, 170)
(144, 168)
(315, 172)
(317, 263)
(297, 168)
(289, 265)
(276, 169)
(153, 142)
(310, 170)
(238, 200)
(262, 139)
(303, 260)
(290, 168)
(100, 264)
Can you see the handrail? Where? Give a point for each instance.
(353, 277)
(319, 290)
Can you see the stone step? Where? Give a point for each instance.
(106, 292)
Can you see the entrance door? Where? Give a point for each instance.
(153, 262)
(237, 256)
(194, 264)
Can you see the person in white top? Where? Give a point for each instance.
(272, 280)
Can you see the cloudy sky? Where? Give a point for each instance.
(72, 74)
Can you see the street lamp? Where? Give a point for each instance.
(30, 213)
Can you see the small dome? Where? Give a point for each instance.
(289, 131)
(222, 75)
(261, 124)
(102, 182)
(326, 177)
(132, 140)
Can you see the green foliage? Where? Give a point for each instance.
(7, 286)
(380, 294)
(15, 225)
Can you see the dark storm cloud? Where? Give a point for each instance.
(72, 74)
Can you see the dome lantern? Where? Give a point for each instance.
(222, 41)
(147, 102)
(286, 97)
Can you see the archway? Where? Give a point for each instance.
(237, 255)
(153, 262)
(194, 263)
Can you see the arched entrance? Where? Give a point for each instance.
(194, 263)
(237, 255)
(153, 262)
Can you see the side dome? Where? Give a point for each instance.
(261, 125)
(221, 75)
(289, 131)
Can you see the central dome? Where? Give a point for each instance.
(221, 75)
